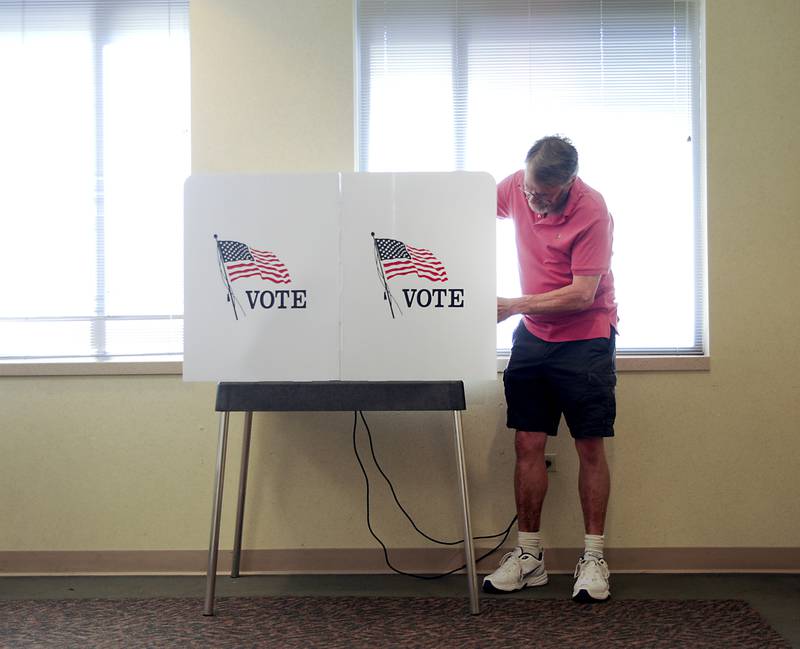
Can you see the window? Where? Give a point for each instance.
(471, 84)
(95, 130)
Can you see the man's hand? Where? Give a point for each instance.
(505, 307)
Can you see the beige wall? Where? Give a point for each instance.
(701, 458)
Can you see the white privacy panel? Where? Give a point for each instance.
(277, 256)
(340, 277)
(418, 282)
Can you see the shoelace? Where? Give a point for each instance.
(511, 555)
(507, 556)
(597, 565)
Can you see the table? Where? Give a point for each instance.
(308, 396)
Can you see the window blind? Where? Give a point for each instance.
(95, 129)
(471, 84)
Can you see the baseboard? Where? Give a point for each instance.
(371, 561)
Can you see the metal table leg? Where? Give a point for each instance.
(213, 547)
(237, 539)
(469, 550)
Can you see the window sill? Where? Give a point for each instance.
(648, 363)
(174, 366)
(84, 367)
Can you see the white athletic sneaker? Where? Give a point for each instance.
(591, 580)
(517, 570)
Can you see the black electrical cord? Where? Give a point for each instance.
(504, 533)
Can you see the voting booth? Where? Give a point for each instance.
(338, 291)
(340, 276)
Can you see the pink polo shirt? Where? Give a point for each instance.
(553, 248)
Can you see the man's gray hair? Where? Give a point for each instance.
(553, 160)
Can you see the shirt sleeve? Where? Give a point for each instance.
(591, 253)
(504, 189)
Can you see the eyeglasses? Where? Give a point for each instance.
(548, 196)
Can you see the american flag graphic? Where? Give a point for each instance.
(241, 260)
(399, 258)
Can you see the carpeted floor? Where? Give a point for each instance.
(397, 622)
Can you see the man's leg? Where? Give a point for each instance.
(531, 407)
(594, 483)
(524, 565)
(588, 377)
(530, 479)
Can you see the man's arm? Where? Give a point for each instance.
(576, 297)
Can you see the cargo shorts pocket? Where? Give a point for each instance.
(604, 379)
(602, 396)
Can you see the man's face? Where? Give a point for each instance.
(545, 199)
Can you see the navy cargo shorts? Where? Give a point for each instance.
(576, 378)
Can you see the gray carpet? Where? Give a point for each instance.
(346, 622)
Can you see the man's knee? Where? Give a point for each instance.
(591, 450)
(530, 445)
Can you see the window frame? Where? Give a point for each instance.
(630, 359)
(101, 32)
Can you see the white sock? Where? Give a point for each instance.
(530, 542)
(594, 545)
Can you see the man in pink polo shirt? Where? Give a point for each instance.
(562, 359)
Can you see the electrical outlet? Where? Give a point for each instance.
(550, 462)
